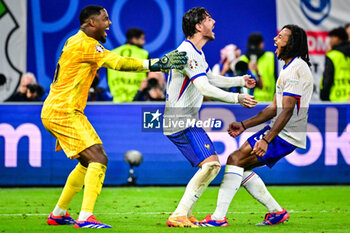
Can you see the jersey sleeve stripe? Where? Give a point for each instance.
(296, 96)
(291, 94)
(206, 71)
(197, 75)
(169, 78)
(184, 86)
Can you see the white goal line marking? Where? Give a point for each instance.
(160, 213)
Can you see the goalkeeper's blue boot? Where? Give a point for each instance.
(209, 222)
(60, 220)
(91, 222)
(275, 218)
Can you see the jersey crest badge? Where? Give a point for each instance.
(193, 64)
(99, 48)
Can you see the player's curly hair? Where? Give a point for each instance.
(191, 18)
(88, 11)
(297, 45)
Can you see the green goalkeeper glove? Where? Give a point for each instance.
(172, 60)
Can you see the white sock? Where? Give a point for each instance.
(83, 216)
(58, 211)
(189, 213)
(229, 186)
(196, 187)
(256, 187)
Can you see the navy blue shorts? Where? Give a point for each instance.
(277, 149)
(194, 143)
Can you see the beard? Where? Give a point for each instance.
(283, 53)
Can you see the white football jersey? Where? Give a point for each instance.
(183, 99)
(295, 80)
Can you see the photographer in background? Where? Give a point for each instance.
(241, 68)
(229, 55)
(34, 92)
(152, 88)
(262, 65)
(28, 90)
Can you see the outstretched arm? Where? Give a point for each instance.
(172, 60)
(227, 82)
(236, 128)
(265, 115)
(206, 89)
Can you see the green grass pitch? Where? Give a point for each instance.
(146, 209)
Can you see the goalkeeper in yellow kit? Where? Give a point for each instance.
(63, 111)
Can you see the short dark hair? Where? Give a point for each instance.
(191, 18)
(339, 32)
(347, 25)
(134, 33)
(297, 45)
(89, 11)
(254, 40)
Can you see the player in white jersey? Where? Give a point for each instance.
(185, 91)
(286, 132)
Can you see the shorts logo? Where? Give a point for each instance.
(151, 120)
(99, 49)
(258, 138)
(193, 64)
(207, 146)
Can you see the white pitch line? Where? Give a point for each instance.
(158, 213)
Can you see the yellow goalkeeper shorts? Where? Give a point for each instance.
(74, 134)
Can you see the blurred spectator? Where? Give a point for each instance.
(262, 64)
(160, 77)
(347, 28)
(335, 83)
(96, 93)
(240, 69)
(150, 90)
(124, 85)
(34, 92)
(28, 89)
(229, 55)
(230, 66)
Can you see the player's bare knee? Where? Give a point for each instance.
(83, 162)
(99, 155)
(235, 158)
(103, 159)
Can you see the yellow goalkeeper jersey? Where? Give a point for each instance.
(80, 59)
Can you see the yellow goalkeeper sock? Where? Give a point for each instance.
(94, 178)
(74, 183)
